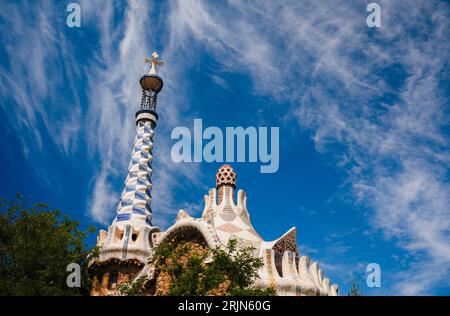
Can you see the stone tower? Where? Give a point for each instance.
(125, 247)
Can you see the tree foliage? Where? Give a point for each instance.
(36, 245)
(197, 271)
(355, 289)
(135, 288)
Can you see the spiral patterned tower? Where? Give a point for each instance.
(125, 248)
(134, 205)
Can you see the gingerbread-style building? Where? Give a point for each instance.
(125, 248)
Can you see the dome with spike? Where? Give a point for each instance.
(226, 176)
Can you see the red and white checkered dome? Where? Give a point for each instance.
(226, 176)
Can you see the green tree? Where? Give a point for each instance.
(36, 245)
(203, 271)
(355, 290)
(136, 288)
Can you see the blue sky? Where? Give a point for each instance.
(363, 116)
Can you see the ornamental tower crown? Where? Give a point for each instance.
(151, 85)
(225, 177)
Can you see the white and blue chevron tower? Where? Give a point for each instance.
(134, 205)
(125, 247)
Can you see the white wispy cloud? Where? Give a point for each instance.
(337, 73)
(114, 98)
(33, 46)
(321, 58)
(43, 65)
(38, 67)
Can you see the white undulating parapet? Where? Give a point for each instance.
(125, 242)
(225, 221)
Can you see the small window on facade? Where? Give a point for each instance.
(113, 280)
(134, 237)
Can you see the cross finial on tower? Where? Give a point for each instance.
(154, 62)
